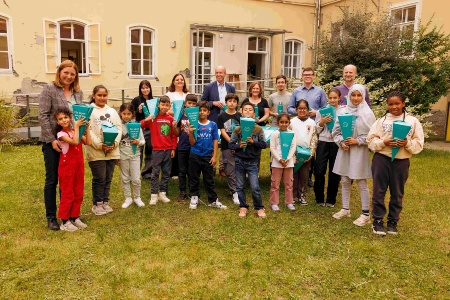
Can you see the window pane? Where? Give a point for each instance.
(94, 65)
(411, 14)
(252, 44)
(78, 32)
(147, 37)
(147, 67)
(65, 30)
(261, 44)
(136, 67)
(147, 52)
(3, 28)
(194, 40)
(397, 16)
(288, 46)
(3, 43)
(208, 40)
(286, 61)
(4, 63)
(408, 31)
(135, 52)
(296, 48)
(135, 36)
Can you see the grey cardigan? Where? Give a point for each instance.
(52, 99)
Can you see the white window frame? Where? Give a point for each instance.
(302, 42)
(89, 41)
(197, 83)
(9, 36)
(154, 50)
(407, 4)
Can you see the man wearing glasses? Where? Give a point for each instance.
(310, 92)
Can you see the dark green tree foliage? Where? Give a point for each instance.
(419, 64)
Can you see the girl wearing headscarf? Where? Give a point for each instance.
(352, 160)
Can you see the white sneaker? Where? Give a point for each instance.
(275, 207)
(342, 213)
(194, 202)
(127, 202)
(217, 204)
(79, 224)
(106, 207)
(153, 199)
(362, 220)
(139, 202)
(162, 196)
(98, 209)
(68, 226)
(235, 198)
(291, 207)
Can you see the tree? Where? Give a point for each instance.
(418, 65)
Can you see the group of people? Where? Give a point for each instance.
(170, 147)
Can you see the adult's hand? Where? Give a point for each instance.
(56, 145)
(218, 104)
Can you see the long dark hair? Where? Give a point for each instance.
(141, 84)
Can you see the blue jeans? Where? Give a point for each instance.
(250, 168)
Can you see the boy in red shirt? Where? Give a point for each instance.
(164, 143)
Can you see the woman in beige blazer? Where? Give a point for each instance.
(61, 93)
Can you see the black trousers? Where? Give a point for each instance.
(388, 174)
(51, 161)
(197, 165)
(325, 157)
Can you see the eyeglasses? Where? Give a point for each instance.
(302, 109)
(307, 75)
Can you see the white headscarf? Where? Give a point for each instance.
(366, 118)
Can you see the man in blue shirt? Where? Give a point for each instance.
(310, 92)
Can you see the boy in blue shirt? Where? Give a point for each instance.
(203, 157)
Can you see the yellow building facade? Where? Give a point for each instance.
(118, 44)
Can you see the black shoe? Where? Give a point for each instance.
(182, 197)
(392, 228)
(378, 227)
(53, 224)
(310, 183)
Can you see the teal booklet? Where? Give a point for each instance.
(256, 112)
(328, 111)
(177, 106)
(347, 123)
(82, 111)
(134, 129)
(302, 155)
(247, 125)
(400, 130)
(192, 114)
(153, 107)
(286, 138)
(110, 133)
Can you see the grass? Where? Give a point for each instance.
(168, 251)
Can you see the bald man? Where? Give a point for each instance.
(216, 91)
(350, 72)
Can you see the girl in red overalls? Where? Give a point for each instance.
(71, 170)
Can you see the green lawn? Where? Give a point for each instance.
(168, 251)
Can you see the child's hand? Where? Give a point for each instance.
(351, 141)
(344, 146)
(212, 161)
(192, 128)
(308, 159)
(242, 144)
(80, 122)
(117, 162)
(250, 140)
(88, 124)
(325, 120)
(402, 143)
(174, 123)
(140, 107)
(135, 142)
(389, 142)
(149, 118)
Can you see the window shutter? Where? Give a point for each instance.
(51, 46)
(93, 49)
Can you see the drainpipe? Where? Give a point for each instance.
(316, 31)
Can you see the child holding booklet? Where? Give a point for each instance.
(305, 133)
(282, 167)
(164, 143)
(203, 157)
(352, 161)
(184, 147)
(71, 169)
(387, 172)
(326, 154)
(130, 162)
(247, 162)
(102, 158)
(226, 122)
